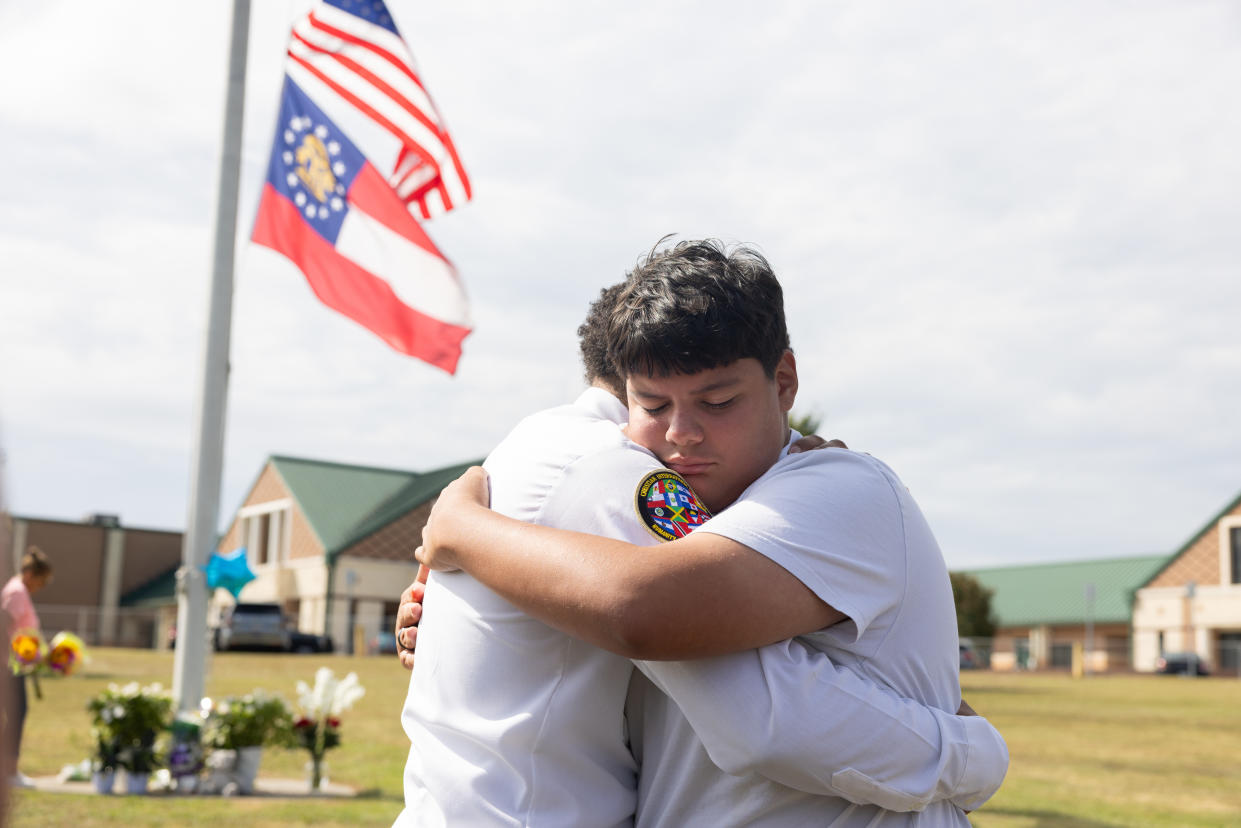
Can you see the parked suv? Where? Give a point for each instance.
(252, 626)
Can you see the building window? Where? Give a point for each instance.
(1228, 657)
(265, 532)
(1062, 654)
(1021, 653)
(260, 530)
(1234, 536)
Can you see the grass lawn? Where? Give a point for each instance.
(370, 758)
(1105, 751)
(1113, 750)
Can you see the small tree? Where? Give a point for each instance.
(973, 602)
(805, 424)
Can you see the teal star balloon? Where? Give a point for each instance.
(231, 571)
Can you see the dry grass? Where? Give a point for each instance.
(1105, 751)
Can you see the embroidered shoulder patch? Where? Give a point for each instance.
(667, 505)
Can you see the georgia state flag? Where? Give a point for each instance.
(329, 211)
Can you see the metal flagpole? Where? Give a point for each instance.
(208, 460)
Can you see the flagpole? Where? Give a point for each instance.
(208, 460)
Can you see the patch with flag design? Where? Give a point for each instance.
(667, 505)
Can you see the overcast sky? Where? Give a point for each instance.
(1008, 235)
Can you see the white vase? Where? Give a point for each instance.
(221, 764)
(104, 780)
(248, 759)
(135, 782)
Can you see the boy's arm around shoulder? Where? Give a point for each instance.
(697, 596)
(788, 713)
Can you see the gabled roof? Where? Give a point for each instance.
(415, 493)
(1194, 538)
(1056, 593)
(344, 503)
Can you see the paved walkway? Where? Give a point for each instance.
(264, 786)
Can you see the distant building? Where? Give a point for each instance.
(333, 543)
(1045, 611)
(97, 563)
(1193, 602)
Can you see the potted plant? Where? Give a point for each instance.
(105, 760)
(241, 725)
(317, 726)
(126, 721)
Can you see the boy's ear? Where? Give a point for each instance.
(786, 381)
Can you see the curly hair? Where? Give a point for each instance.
(698, 305)
(592, 336)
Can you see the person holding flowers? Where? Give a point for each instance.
(21, 620)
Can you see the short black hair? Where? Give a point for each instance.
(593, 340)
(698, 305)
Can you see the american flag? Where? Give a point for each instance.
(348, 53)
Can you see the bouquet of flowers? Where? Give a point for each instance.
(317, 726)
(251, 720)
(66, 654)
(125, 722)
(29, 655)
(27, 651)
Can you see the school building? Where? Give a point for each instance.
(1124, 613)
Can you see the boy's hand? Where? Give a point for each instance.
(450, 518)
(408, 614)
(814, 441)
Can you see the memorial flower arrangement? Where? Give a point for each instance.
(30, 655)
(125, 722)
(252, 720)
(317, 725)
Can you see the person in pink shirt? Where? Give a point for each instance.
(19, 614)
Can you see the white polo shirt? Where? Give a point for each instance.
(514, 723)
(845, 526)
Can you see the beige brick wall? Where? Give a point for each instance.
(396, 541)
(1199, 563)
(303, 543)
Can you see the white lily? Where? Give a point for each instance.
(329, 696)
(347, 692)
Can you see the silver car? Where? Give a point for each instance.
(252, 626)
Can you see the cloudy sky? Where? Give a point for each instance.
(1008, 235)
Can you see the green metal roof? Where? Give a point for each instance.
(344, 503)
(416, 492)
(160, 591)
(1056, 593)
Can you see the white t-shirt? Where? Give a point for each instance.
(844, 525)
(514, 723)
(510, 721)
